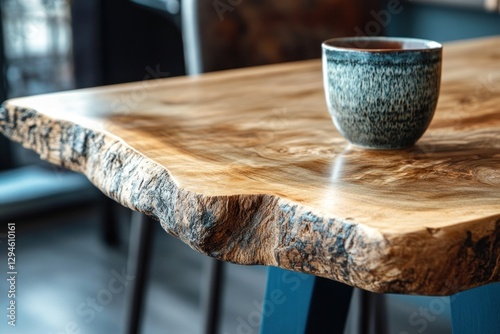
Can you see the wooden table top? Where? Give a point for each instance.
(246, 166)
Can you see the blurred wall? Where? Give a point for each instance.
(442, 23)
(118, 41)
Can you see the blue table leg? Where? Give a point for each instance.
(477, 310)
(286, 304)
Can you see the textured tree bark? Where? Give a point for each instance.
(246, 166)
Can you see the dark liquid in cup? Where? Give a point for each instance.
(366, 44)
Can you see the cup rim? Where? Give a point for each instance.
(426, 44)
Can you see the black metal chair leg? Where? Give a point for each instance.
(329, 307)
(7, 161)
(380, 314)
(212, 296)
(139, 258)
(372, 314)
(110, 223)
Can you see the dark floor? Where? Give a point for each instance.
(63, 266)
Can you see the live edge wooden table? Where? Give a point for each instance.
(247, 167)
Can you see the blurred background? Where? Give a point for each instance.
(70, 239)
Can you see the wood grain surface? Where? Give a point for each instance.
(246, 166)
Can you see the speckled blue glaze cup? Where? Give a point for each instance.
(382, 92)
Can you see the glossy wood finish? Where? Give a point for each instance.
(246, 166)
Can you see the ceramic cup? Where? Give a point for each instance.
(382, 92)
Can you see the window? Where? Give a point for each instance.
(37, 40)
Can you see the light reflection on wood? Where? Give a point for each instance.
(246, 166)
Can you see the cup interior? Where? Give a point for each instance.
(381, 44)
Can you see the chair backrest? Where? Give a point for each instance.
(223, 34)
